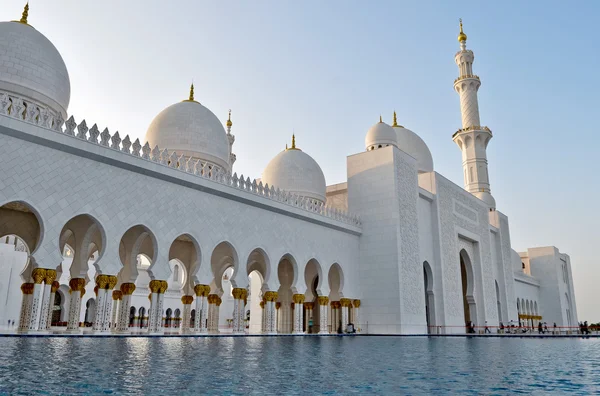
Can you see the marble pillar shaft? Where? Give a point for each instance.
(100, 310)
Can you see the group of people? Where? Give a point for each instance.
(583, 328)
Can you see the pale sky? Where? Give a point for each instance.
(326, 70)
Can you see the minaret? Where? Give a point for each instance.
(473, 138)
(232, 156)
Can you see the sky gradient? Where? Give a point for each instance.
(327, 70)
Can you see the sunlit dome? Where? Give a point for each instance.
(190, 129)
(412, 144)
(31, 67)
(296, 172)
(380, 135)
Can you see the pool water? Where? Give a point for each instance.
(298, 365)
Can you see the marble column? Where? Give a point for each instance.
(55, 286)
(218, 302)
(309, 316)
(357, 323)
(271, 320)
(117, 295)
(45, 303)
(158, 312)
(335, 317)
(185, 315)
(127, 290)
(263, 316)
(25, 316)
(77, 291)
(298, 312)
(243, 303)
(323, 313)
(38, 275)
(153, 311)
(346, 303)
(277, 324)
(108, 304)
(101, 297)
(202, 292)
(237, 295)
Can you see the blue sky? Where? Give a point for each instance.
(327, 70)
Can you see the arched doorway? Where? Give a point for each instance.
(90, 311)
(168, 318)
(257, 268)
(466, 276)
(286, 275)
(336, 284)
(142, 317)
(56, 309)
(429, 297)
(132, 311)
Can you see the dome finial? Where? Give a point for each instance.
(25, 14)
(395, 124)
(293, 142)
(461, 36)
(191, 99)
(380, 119)
(229, 123)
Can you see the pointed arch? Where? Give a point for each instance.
(23, 220)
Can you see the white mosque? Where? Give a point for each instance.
(102, 234)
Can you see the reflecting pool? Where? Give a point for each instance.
(298, 365)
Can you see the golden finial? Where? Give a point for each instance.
(395, 124)
(286, 147)
(461, 36)
(229, 123)
(293, 142)
(23, 19)
(380, 119)
(191, 99)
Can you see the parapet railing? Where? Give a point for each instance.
(36, 114)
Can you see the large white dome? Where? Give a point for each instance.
(380, 135)
(192, 130)
(295, 171)
(412, 144)
(31, 67)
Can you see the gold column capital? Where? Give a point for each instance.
(163, 286)
(271, 296)
(202, 290)
(218, 301)
(127, 288)
(117, 294)
(323, 300)
(38, 275)
(96, 290)
(237, 293)
(277, 305)
(345, 302)
(112, 282)
(55, 287)
(102, 281)
(262, 304)
(335, 304)
(356, 303)
(27, 288)
(155, 286)
(298, 298)
(186, 300)
(50, 276)
(309, 305)
(77, 284)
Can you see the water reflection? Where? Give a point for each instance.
(298, 365)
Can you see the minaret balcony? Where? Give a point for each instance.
(466, 76)
(473, 128)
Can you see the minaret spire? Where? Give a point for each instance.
(395, 120)
(472, 138)
(293, 141)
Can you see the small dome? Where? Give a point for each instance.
(487, 198)
(190, 129)
(412, 144)
(295, 171)
(380, 135)
(31, 67)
